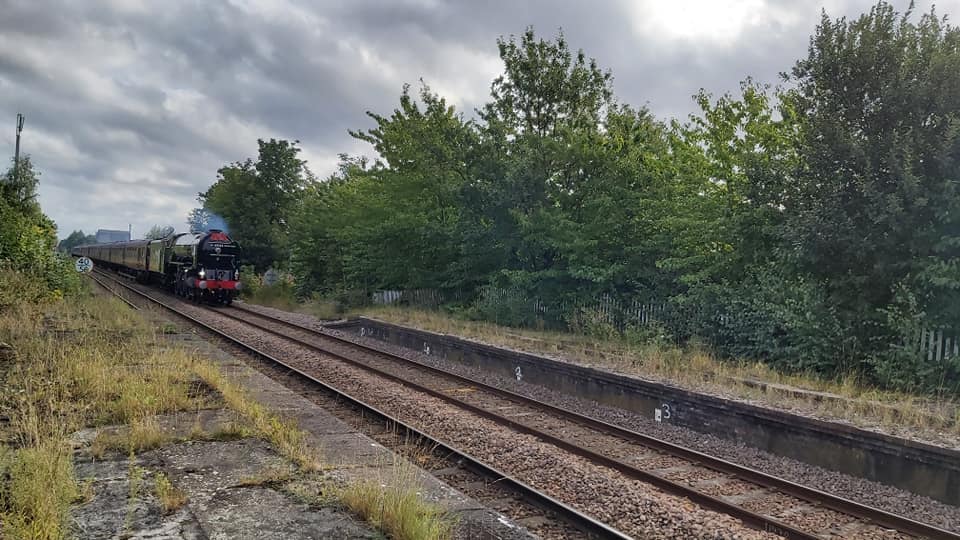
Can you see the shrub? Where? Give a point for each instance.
(250, 280)
(593, 322)
(899, 363)
(509, 306)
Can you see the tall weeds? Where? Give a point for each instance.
(650, 355)
(393, 504)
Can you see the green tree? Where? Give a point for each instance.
(411, 210)
(325, 255)
(159, 231)
(814, 227)
(256, 201)
(876, 208)
(20, 190)
(537, 135)
(76, 238)
(733, 163)
(28, 238)
(608, 233)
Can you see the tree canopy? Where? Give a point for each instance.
(76, 238)
(28, 238)
(253, 201)
(811, 225)
(159, 231)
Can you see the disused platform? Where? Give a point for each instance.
(240, 487)
(350, 455)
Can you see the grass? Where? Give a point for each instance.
(79, 362)
(42, 486)
(171, 498)
(695, 368)
(393, 504)
(143, 434)
(282, 297)
(90, 362)
(135, 478)
(284, 435)
(270, 476)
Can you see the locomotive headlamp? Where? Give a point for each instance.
(202, 273)
(236, 275)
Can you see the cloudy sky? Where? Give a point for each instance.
(131, 108)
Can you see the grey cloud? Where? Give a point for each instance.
(129, 105)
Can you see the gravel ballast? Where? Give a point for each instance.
(949, 439)
(631, 506)
(861, 490)
(858, 489)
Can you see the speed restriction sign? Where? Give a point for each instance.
(84, 265)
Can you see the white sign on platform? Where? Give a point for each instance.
(84, 265)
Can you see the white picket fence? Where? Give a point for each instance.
(937, 344)
(416, 297)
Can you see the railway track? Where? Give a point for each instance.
(752, 496)
(671, 467)
(545, 514)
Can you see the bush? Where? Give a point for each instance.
(249, 280)
(17, 287)
(783, 319)
(592, 322)
(507, 306)
(279, 295)
(898, 363)
(654, 333)
(349, 299)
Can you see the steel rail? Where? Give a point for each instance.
(752, 519)
(115, 293)
(806, 493)
(579, 520)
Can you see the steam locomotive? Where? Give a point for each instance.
(198, 266)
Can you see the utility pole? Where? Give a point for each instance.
(16, 153)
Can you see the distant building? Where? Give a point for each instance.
(106, 235)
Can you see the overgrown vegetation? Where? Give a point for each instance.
(283, 295)
(654, 356)
(70, 360)
(28, 239)
(812, 226)
(77, 362)
(171, 497)
(86, 361)
(35, 503)
(284, 435)
(393, 504)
